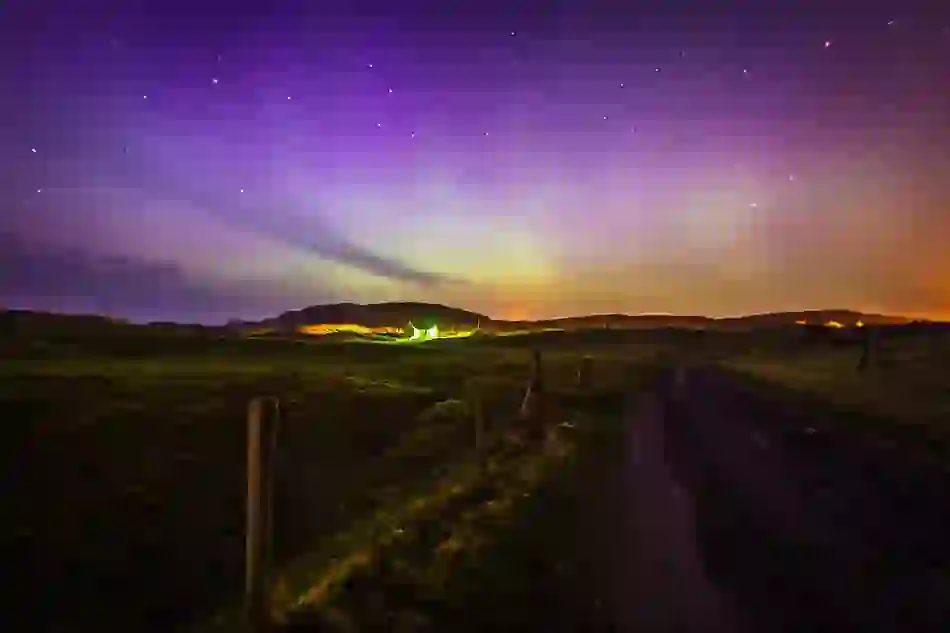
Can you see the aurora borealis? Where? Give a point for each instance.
(202, 161)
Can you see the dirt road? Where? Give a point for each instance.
(659, 580)
(740, 511)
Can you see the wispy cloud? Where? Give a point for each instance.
(38, 277)
(203, 172)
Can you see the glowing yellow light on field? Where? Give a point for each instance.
(835, 324)
(318, 329)
(433, 332)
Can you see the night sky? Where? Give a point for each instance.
(206, 160)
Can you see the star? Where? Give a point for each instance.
(214, 80)
(890, 22)
(379, 125)
(39, 191)
(827, 43)
(754, 205)
(412, 135)
(242, 191)
(605, 118)
(390, 91)
(621, 85)
(369, 65)
(791, 177)
(745, 71)
(656, 70)
(512, 34)
(145, 96)
(33, 149)
(288, 98)
(486, 133)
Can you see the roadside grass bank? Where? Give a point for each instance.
(504, 542)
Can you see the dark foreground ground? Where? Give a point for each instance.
(712, 509)
(708, 508)
(798, 526)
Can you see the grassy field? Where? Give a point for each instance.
(507, 547)
(127, 463)
(904, 400)
(126, 459)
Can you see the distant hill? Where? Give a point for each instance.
(848, 318)
(424, 315)
(27, 321)
(376, 315)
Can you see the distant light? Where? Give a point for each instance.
(656, 70)
(512, 34)
(214, 80)
(33, 149)
(288, 98)
(369, 65)
(754, 204)
(39, 191)
(413, 135)
(791, 177)
(145, 96)
(605, 118)
(890, 22)
(242, 191)
(486, 133)
(827, 43)
(379, 125)
(745, 71)
(390, 91)
(621, 85)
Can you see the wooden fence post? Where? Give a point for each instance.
(478, 417)
(262, 419)
(583, 379)
(869, 352)
(679, 379)
(533, 405)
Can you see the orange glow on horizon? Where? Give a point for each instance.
(516, 314)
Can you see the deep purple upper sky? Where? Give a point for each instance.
(207, 160)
